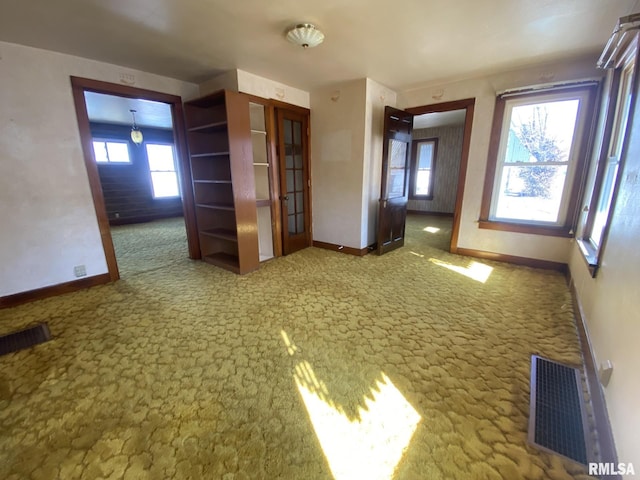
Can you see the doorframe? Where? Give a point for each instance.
(81, 85)
(467, 104)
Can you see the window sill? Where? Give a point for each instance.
(526, 228)
(590, 256)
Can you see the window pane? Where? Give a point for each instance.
(118, 152)
(299, 182)
(300, 222)
(287, 127)
(165, 184)
(604, 203)
(542, 132)
(422, 182)
(160, 157)
(531, 193)
(292, 224)
(425, 155)
(100, 151)
(424, 165)
(397, 172)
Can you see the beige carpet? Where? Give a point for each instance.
(147, 246)
(321, 365)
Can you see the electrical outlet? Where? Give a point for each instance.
(80, 271)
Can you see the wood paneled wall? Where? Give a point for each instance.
(127, 188)
(447, 168)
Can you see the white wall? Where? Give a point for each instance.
(47, 220)
(377, 97)
(484, 91)
(611, 304)
(265, 88)
(241, 81)
(337, 166)
(224, 81)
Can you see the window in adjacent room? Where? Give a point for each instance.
(162, 165)
(610, 160)
(536, 160)
(423, 168)
(111, 151)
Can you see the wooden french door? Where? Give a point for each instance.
(293, 154)
(392, 214)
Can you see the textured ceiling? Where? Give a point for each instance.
(399, 44)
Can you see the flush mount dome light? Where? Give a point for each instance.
(306, 35)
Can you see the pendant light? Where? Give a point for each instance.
(136, 134)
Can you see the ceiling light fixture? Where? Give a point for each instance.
(136, 134)
(306, 35)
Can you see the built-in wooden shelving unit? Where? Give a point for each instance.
(220, 144)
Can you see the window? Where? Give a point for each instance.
(162, 165)
(111, 151)
(536, 160)
(422, 168)
(598, 210)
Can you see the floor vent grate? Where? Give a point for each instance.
(24, 338)
(556, 417)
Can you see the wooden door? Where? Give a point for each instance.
(394, 193)
(293, 154)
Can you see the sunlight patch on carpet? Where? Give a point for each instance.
(368, 447)
(475, 270)
(431, 229)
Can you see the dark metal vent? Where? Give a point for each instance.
(557, 419)
(24, 338)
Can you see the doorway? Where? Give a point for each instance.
(436, 154)
(396, 170)
(95, 138)
(446, 128)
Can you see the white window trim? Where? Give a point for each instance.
(106, 140)
(572, 161)
(175, 170)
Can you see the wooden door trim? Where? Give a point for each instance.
(80, 85)
(467, 104)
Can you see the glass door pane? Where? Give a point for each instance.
(294, 174)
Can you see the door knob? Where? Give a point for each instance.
(285, 198)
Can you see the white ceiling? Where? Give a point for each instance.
(399, 44)
(112, 109)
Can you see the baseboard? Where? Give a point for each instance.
(606, 443)
(53, 290)
(434, 214)
(359, 252)
(528, 262)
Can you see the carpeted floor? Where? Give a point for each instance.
(321, 365)
(146, 246)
